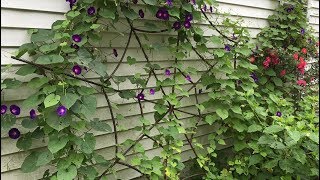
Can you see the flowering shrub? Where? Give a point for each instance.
(251, 93)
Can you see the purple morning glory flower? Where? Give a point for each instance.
(176, 25)
(3, 109)
(76, 69)
(302, 31)
(227, 48)
(159, 14)
(162, 13)
(33, 114)
(279, 114)
(115, 53)
(189, 17)
(15, 110)
(188, 78)
(187, 24)
(91, 10)
(135, 1)
(140, 96)
(74, 46)
(14, 133)
(167, 72)
(152, 91)
(211, 10)
(169, 3)
(141, 13)
(165, 15)
(76, 38)
(61, 111)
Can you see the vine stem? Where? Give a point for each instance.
(114, 123)
(215, 27)
(122, 57)
(189, 142)
(130, 166)
(66, 74)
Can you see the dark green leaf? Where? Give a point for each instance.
(49, 59)
(42, 35)
(29, 123)
(98, 125)
(273, 129)
(26, 69)
(44, 158)
(88, 144)
(24, 142)
(29, 163)
(69, 99)
(67, 174)
(57, 143)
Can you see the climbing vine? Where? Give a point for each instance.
(248, 91)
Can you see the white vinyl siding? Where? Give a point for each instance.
(17, 16)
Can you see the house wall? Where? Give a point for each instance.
(17, 16)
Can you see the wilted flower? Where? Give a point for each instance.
(115, 53)
(188, 78)
(33, 114)
(227, 48)
(254, 77)
(152, 91)
(141, 13)
(74, 46)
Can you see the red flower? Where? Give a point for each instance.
(266, 64)
(275, 61)
(283, 73)
(268, 59)
(295, 56)
(301, 82)
(317, 43)
(304, 50)
(301, 65)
